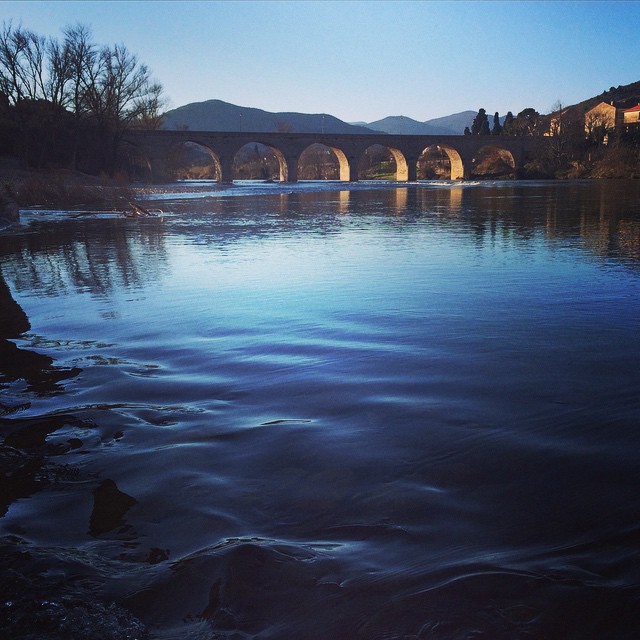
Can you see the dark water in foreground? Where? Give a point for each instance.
(309, 412)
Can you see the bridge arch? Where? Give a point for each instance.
(446, 163)
(382, 160)
(403, 151)
(189, 159)
(493, 161)
(320, 161)
(256, 160)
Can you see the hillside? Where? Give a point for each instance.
(216, 115)
(456, 122)
(624, 96)
(401, 125)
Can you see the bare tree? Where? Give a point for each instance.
(559, 124)
(59, 73)
(118, 93)
(528, 123)
(150, 108)
(29, 66)
(105, 89)
(596, 127)
(81, 55)
(18, 79)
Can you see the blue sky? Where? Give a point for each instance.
(362, 61)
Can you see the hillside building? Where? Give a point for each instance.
(631, 116)
(601, 121)
(605, 119)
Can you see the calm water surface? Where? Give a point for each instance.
(314, 411)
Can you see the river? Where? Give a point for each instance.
(317, 410)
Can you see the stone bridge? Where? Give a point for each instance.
(155, 146)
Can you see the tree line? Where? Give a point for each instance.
(527, 123)
(576, 146)
(67, 101)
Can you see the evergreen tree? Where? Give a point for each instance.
(508, 128)
(497, 127)
(467, 131)
(480, 124)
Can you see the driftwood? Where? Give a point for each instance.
(138, 210)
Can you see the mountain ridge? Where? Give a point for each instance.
(217, 115)
(453, 124)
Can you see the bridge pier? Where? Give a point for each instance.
(354, 176)
(466, 167)
(412, 169)
(226, 168)
(291, 169)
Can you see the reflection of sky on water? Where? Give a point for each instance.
(110, 253)
(106, 255)
(398, 391)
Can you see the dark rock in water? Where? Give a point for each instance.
(26, 465)
(9, 211)
(109, 507)
(36, 369)
(13, 320)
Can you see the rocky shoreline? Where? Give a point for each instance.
(45, 593)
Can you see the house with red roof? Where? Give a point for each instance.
(606, 118)
(631, 116)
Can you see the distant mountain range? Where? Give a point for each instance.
(447, 125)
(216, 115)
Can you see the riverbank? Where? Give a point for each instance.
(65, 189)
(39, 596)
(73, 190)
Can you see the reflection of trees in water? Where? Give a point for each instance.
(96, 256)
(103, 255)
(603, 216)
(629, 238)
